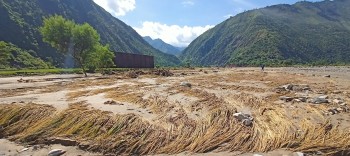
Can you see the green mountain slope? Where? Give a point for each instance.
(303, 33)
(162, 46)
(20, 21)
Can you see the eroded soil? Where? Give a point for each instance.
(157, 115)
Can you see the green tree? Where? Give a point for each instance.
(78, 40)
(4, 53)
(100, 58)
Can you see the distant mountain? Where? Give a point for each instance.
(164, 47)
(20, 20)
(304, 33)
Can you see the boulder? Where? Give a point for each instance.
(186, 84)
(246, 119)
(318, 100)
(56, 152)
(247, 122)
(327, 76)
(323, 97)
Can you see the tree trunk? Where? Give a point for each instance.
(84, 70)
(82, 66)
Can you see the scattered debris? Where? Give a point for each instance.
(247, 122)
(323, 97)
(132, 74)
(340, 109)
(296, 87)
(62, 141)
(186, 84)
(327, 76)
(338, 101)
(337, 92)
(21, 80)
(36, 147)
(333, 111)
(23, 150)
(300, 99)
(343, 104)
(163, 72)
(320, 100)
(56, 152)
(286, 87)
(111, 102)
(84, 145)
(246, 119)
(294, 99)
(286, 98)
(298, 154)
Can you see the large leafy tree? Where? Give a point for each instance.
(80, 41)
(101, 58)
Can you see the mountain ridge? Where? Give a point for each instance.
(163, 46)
(21, 20)
(302, 33)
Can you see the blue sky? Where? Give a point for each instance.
(178, 22)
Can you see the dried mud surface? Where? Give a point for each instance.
(154, 115)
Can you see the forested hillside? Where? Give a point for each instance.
(304, 33)
(20, 22)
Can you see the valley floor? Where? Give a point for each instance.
(216, 111)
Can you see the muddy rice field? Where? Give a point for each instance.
(202, 111)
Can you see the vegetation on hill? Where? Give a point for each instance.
(13, 57)
(304, 33)
(20, 22)
(164, 47)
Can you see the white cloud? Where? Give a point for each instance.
(117, 7)
(172, 34)
(187, 3)
(245, 3)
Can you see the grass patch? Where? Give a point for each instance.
(28, 72)
(20, 72)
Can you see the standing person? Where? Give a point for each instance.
(262, 67)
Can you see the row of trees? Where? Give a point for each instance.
(81, 41)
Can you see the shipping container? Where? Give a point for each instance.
(127, 60)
